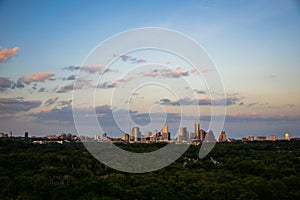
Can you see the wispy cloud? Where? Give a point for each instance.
(92, 69)
(200, 91)
(113, 84)
(49, 102)
(69, 78)
(131, 59)
(65, 103)
(37, 77)
(6, 54)
(176, 73)
(201, 102)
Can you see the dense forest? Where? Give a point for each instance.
(251, 170)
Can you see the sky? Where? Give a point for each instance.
(45, 45)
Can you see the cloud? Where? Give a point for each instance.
(42, 89)
(258, 117)
(49, 102)
(132, 59)
(69, 78)
(5, 83)
(174, 73)
(63, 114)
(37, 77)
(200, 91)
(6, 54)
(125, 57)
(207, 70)
(167, 73)
(193, 70)
(66, 103)
(113, 84)
(110, 70)
(107, 85)
(201, 102)
(252, 104)
(79, 84)
(18, 84)
(91, 69)
(15, 105)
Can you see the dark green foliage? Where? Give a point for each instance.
(254, 170)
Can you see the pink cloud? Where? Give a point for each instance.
(92, 69)
(193, 70)
(252, 114)
(38, 77)
(207, 70)
(167, 73)
(6, 54)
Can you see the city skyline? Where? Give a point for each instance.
(256, 55)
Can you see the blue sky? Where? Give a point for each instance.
(254, 44)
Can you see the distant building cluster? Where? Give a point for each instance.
(164, 135)
(52, 138)
(136, 136)
(264, 138)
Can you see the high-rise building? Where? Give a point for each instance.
(222, 137)
(136, 133)
(286, 136)
(125, 137)
(26, 135)
(197, 130)
(182, 134)
(192, 136)
(97, 137)
(10, 134)
(165, 133)
(273, 138)
(202, 134)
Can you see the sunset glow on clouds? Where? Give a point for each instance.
(255, 47)
(6, 54)
(37, 77)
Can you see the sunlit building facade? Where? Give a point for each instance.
(222, 137)
(273, 138)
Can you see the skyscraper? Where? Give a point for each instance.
(202, 134)
(182, 135)
(165, 133)
(197, 130)
(136, 133)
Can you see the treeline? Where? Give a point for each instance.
(253, 170)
